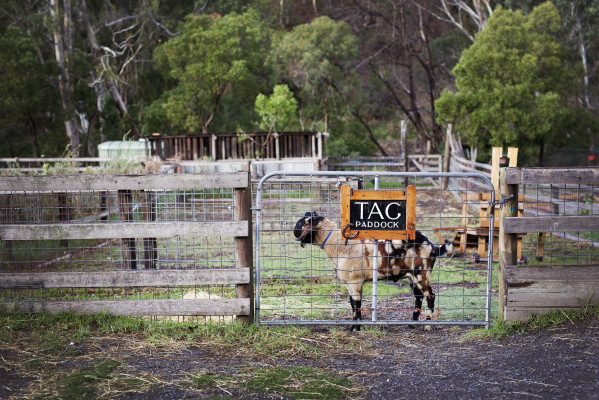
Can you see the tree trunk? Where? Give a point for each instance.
(62, 50)
(110, 84)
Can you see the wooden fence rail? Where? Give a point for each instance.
(238, 229)
(260, 145)
(526, 290)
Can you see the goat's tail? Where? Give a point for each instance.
(445, 248)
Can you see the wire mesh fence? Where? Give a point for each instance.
(560, 248)
(300, 284)
(554, 237)
(96, 238)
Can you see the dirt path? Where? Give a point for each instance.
(556, 363)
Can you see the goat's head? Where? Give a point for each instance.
(305, 226)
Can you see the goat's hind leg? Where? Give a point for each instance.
(355, 300)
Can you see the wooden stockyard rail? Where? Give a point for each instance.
(231, 146)
(239, 228)
(536, 289)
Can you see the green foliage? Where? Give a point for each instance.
(211, 57)
(28, 97)
(513, 82)
(315, 58)
(278, 110)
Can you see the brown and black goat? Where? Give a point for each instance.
(353, 261)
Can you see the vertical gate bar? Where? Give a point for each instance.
(375, 265)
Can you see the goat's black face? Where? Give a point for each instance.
(305, 226)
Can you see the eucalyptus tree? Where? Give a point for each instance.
(316, 60)
(212, 56)
(513, 83)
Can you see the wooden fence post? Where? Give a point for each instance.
(149, 214)
(447, 155)
(508, 242)
(242, 200)
(129, 250)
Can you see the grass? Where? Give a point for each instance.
(501, 329)
(58, 356)
(290, 382)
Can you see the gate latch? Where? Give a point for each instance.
(501, 202)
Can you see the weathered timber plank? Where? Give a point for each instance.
(100, 279)
(137, 307)
(511, 315)
(518, 176)
(554, 288)
(123, 230)
(124, 182)
(585, 272)
(524, 300)
(551, 224)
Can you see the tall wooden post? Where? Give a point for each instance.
(447, 155)
(508, 242)
(243, 245)
(213, 147)
(495, 161)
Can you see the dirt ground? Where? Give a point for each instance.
(554, 363)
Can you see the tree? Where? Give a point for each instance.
(29, 103)
(62, 31)
(212, 56)
(405, 56)
(277, 110)
(315, 59)
(512, 83)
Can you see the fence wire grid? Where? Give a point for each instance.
(299, 285)
(559, 248)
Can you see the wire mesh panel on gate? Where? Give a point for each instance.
(300, 285)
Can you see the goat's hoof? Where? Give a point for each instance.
(355, 328)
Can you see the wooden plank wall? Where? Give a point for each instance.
(240, 229)
(527, 290)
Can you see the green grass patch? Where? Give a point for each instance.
(289, 382)
(84, 383)
(501, 329)
(52, 335)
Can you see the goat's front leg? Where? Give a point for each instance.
(418, 296)
(427, 290)
(355, 300)
(420, 291)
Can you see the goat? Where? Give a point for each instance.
(353, 261)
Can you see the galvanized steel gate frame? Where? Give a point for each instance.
(375, 175)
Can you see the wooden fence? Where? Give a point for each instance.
(128, 229)
(536, 289)
(261, 145)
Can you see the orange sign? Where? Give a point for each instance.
(375, 214)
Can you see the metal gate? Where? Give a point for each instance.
(299, 285)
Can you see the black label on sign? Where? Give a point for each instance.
(377, 215)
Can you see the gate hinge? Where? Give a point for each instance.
(501, 202)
